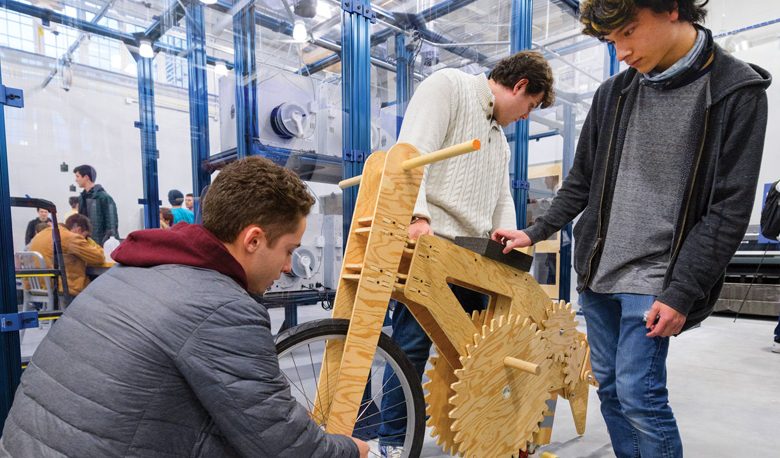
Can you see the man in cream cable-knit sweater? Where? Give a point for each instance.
(465, 196)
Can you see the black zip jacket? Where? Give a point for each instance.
(720, 183)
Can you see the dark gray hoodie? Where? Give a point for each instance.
(719, 186)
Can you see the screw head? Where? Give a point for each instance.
(506, 392)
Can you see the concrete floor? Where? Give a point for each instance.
(724, 385)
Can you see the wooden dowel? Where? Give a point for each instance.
(343, 184)
(436, 156)
(442, 154)
(524, 366)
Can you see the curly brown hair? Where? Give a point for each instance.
(530, 65)
(255, 191)
(602, 17)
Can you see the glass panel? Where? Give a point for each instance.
(545, 268)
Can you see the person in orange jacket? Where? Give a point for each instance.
(78, 250)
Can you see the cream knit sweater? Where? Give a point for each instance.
(467, 195)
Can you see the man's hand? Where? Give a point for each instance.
(511, 239)
(362, 447)
(670, 321)
(418, 228)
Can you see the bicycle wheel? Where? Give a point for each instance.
(301, 351)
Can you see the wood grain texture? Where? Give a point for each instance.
(392, 211)
(496, 408)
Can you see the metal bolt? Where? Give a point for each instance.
(506, 392)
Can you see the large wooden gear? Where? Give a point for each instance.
(438, 391)
(498, 407)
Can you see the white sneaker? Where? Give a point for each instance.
(776, 347)
(391, 451)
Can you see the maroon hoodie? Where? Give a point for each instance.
(184, 244)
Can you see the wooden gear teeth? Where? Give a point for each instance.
(559, 330)
(497, 408)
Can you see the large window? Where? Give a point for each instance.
(17, 31)
(103, 52)
(58, 38)
(175, 66)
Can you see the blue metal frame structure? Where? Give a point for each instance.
(404, 79)
(356, 17)
(10, 357)
(614, 63)
(245, 68)
(521, 28)
(198, 97)
(149, 152)
(434, 12)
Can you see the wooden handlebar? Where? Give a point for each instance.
(442, 154)
(343, 184)
(436, 156)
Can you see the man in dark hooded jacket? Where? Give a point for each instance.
(96, 204)
(167, 354)
(664, 175)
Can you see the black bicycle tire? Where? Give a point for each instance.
(332, 326)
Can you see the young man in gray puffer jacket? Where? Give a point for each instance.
(167, 354)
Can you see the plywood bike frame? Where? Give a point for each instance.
(380, 263)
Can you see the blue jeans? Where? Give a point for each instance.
(409, 335)
(777, 330)
(631, 370)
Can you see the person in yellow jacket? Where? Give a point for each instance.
(78, 250)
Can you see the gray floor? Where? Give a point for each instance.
(724, 385)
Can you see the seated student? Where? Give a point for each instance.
(79, 251)
(166, 218)
(43, 217)
(167, 354)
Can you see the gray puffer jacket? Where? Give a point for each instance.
(169, 360)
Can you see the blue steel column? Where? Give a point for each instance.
(356, 95)
(149, 153)
(247, 127)
(522, 17)
(404, 79)
(10, 357)
(199, 96)
(569, 148)
(614, 63)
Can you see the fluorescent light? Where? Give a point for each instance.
(208, 2)
(299, 31)
(145, 49)
(220, 69)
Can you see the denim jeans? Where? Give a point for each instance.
(631, 370)
(777, 330)
(409, 335)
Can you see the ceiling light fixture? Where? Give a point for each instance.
(145, 49)
(299, 31)
(220, 69)
(208, 2)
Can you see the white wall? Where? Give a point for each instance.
(92, 123)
